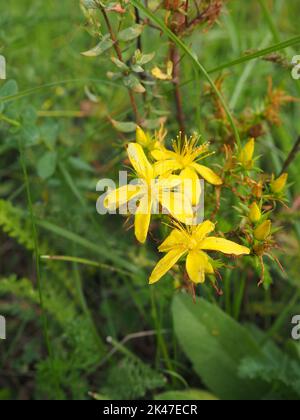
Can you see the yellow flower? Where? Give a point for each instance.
(278, 185)
(184, 158)
(246, 155)
(150, 193)
(160, 75)
(255, 213)
(263, 231)
(192, 242)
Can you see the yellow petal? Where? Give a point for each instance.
(263, 231)
(203, 230)
(278, 185)
(161, 153)
(178, 206)
(159, 74)
(169, 182)
(166, 166)
(206, 173)
(142, 219)
(197, 264)
(165, 264)
(121, 196)
(225, 246)
(246, 155)
(139, 161)
(176, 239)
(191, 185)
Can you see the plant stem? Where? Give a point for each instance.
(291, 157)
(120, 57)
(37, 262)
(175, 58)
(160, 338)
(84, 261)
(85, 308)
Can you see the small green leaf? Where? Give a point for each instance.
(124, 127)
(131, 33)
(46, 165)
(105, 44)
(145, 59)
(137, 69)
(80, 164)
(133, 83)
(122, 66)
(153, 124)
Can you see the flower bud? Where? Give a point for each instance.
(141, 137)
(263, 231)
(246, 155)
(278, 185)
(255, 213)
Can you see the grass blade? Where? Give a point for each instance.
(95, 248)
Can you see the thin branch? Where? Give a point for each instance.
(120, 57)
(175, 58)
(291, 157)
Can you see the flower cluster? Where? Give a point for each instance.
(170, 179)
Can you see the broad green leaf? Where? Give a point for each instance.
(124, 127)
(47, 164)
(129, 34)
(186, 395)
(216, 344)
(105, 44)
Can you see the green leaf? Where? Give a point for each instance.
(137, 69)
(122, 66)
(133, 83)
(47, 164)
(9, 88)
(105, 44)
(186, 395)
(216, 344)
(129, 34)
(89, 4)
(124, 127)
(80, 164)
(145, 59)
